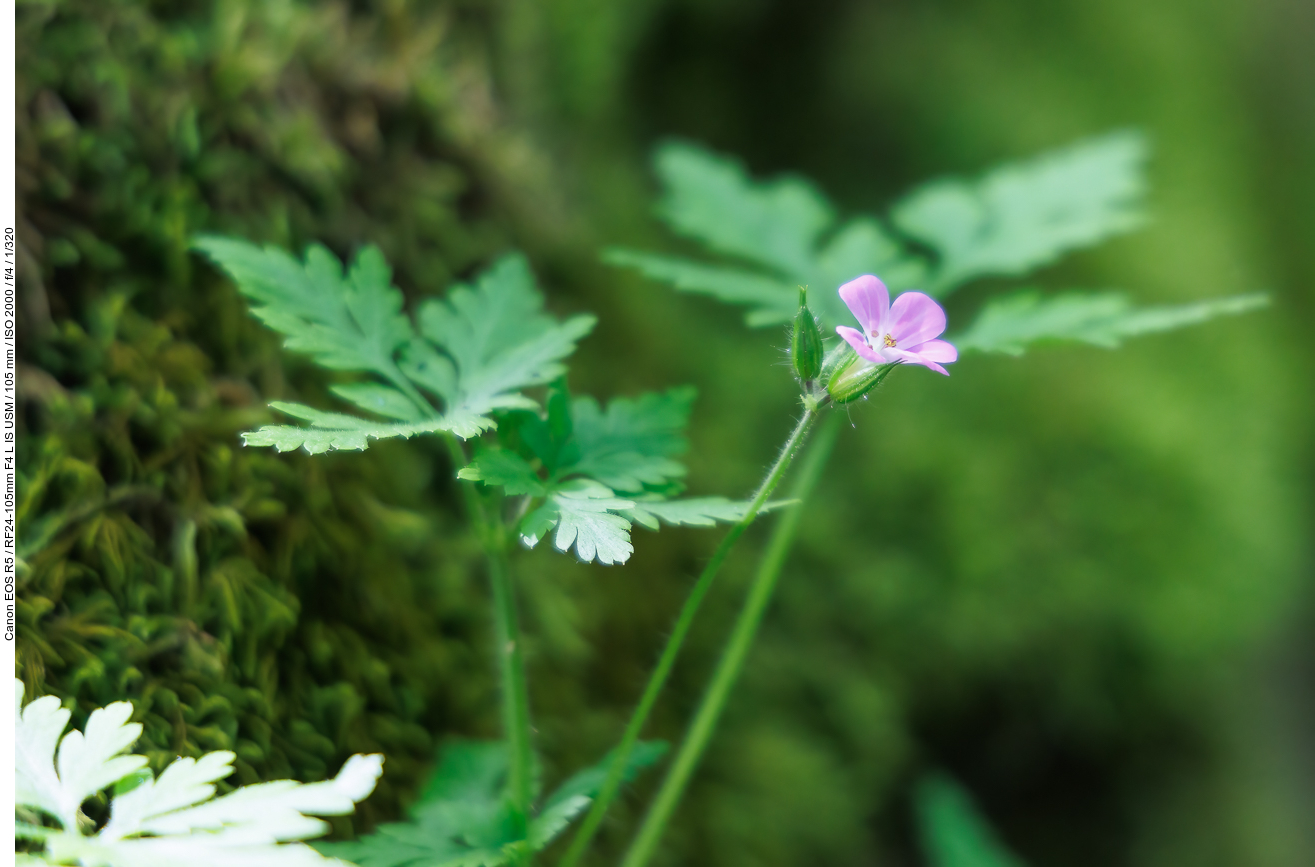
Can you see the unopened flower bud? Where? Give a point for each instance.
(840, 356)
(806, 341)
(855, 377)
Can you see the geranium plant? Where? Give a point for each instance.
(484, 369)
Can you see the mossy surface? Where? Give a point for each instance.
(294, 610)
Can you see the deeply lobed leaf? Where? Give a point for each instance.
(345, 321)
(507, 470)
(588, 517)
(1013, 323)
(87, 761)
(631, 445)
(1023, 215)
(693, 512)
(250, 826)
(461, 820)
(333, 430)
(780, 226)
(498, 339)
(600, 470)
(711, 198)
(37, 729)
(183, 783)
(481, 345)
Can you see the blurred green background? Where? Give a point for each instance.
(1077, 581)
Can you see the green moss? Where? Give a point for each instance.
(294, 610)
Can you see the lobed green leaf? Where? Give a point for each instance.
(586, 517)
(631, 445)
(772, 300)
(572, 797)
(462, 819)
(345, 321)
(1011, 324)
(710, 197)
(332, 430)
(505, 468)
(781, 226)
(693, 512)
(1023, 215)
(498, 339)
(484, 342)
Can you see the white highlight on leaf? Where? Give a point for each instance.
(252, 826)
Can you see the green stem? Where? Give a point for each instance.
(515, 693)
(665, 663)
(511, 661)
(732, 661)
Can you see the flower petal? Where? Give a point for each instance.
(913, 358)
(936, 350)
(915, 318)
(868, 300)
(909, 358)
(854, 338)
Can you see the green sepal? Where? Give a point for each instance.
(841, 356)
(806, 341)
(853, 380)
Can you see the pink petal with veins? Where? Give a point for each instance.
(868, 300)
(915, 318)
(936, 350)
(914, 358)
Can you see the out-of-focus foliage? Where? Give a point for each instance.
(1009, 222)
(1019, 217)
(463, 819)
(1016, 218)
(1010, 324)
(172, 819)
(1057, 577)
(777, 225)
(1063, 577)
(952, 830)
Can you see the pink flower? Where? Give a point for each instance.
(903, 332)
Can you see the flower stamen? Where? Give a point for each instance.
(888, 341)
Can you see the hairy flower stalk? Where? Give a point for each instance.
(684, 621)
(849, 373)
(737, 649)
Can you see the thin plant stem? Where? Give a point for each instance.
(515, 700)
(737, 648)
(667, 660)
(511, 661)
